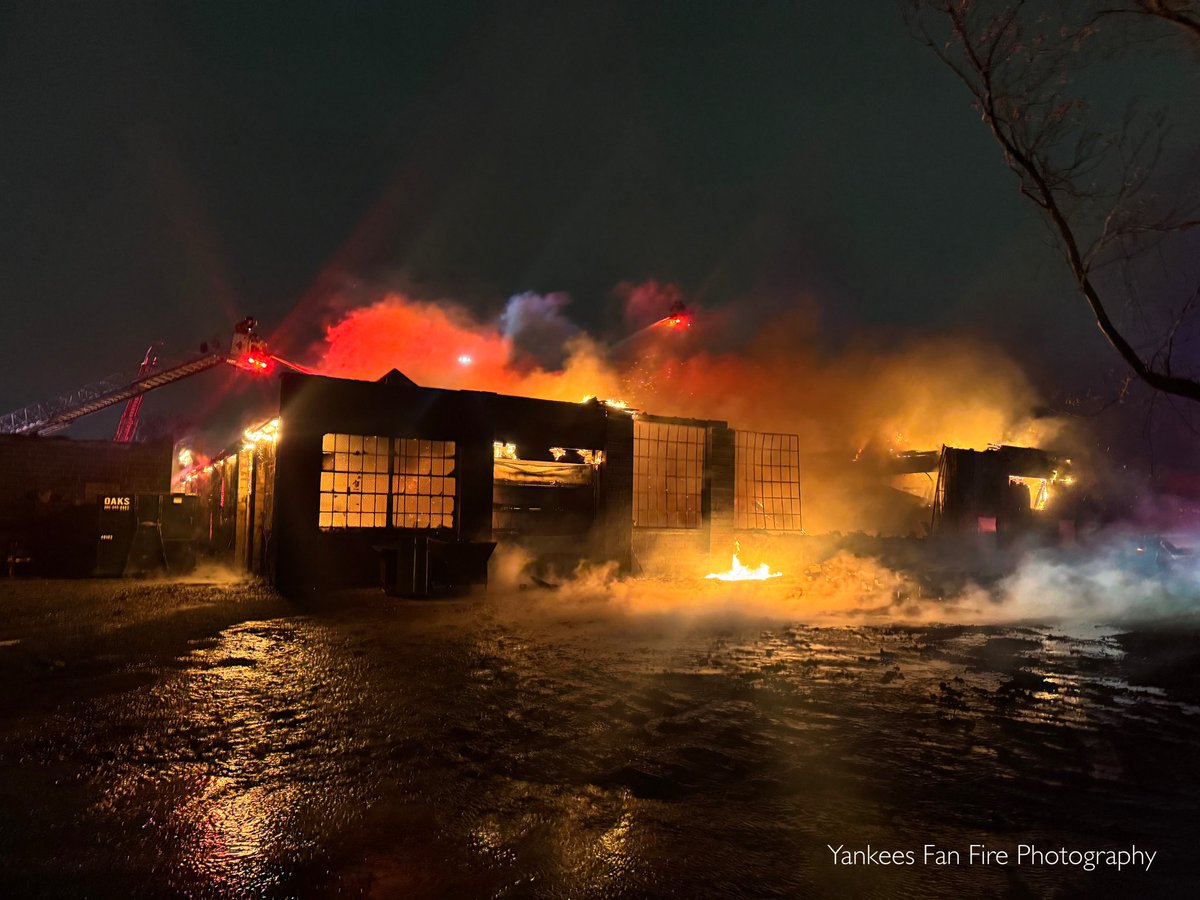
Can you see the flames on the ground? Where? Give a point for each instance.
(738, 571)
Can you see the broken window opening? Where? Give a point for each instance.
(368, 481)
(766, 493)
(668, 474)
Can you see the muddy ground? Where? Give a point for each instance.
(213, 739)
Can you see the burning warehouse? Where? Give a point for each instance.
(1009, 491)
(357, 477)
(429, 480)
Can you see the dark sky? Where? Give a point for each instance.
(168, 168)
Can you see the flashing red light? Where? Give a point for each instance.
(253, 363)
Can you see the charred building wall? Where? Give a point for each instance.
(236, 494)
(701, 487)
(50, 489)
(359, 464)
(1004, 491)
(361, 468)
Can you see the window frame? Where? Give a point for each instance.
(669, 479)
(374, 460)
(774, 456)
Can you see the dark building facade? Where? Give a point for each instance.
(357, 462)
(1004, 491)
(357, 473)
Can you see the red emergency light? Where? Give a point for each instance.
(252, 362)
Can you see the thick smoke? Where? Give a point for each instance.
(903, 395)
(855, 404)
(537, 328)
(441, 344)
(859, 403)
(646, 302)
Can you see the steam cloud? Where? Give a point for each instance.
(827, 585)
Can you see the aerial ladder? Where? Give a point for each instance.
(245, 350)
(128, 425)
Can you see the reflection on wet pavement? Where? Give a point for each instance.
(478, 749)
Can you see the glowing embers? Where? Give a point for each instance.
(189, 480)
(1040, 492)
(611, 404)
(503, 450)
(268, 432)
(588, 457)
(740, 572)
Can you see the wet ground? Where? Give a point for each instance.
(214, 740)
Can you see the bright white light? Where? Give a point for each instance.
(465, 360)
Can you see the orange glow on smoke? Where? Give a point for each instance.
(919, 395)
(781, 374)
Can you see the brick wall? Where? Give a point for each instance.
(720, 477)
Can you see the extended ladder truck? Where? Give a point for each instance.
(132, 534)
(246, 351)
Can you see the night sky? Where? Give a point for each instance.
(170, 168)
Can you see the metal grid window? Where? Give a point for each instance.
(668, 474)
(423, 484)
(767, 481)
(354, 481)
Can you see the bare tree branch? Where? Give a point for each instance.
(1020, 63)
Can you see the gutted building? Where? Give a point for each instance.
(421, 483)
(1005, 491)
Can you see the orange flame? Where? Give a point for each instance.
(740, 572)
